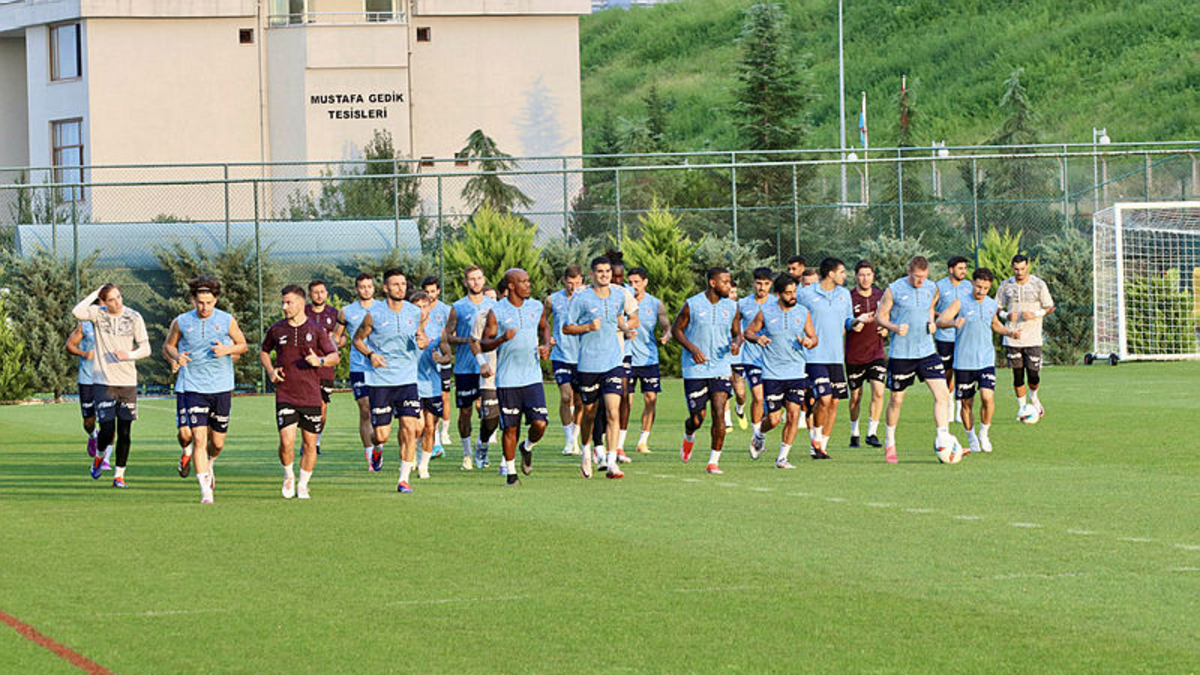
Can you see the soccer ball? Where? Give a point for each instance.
(950, 452)
(1028, 414)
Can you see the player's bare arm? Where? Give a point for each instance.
(679, 330)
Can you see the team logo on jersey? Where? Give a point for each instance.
(308, 337)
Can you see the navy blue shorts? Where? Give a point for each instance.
(750, 373)
(564, 373)
(308, 418)
(115, 403)
(946, 351)
(902, 371)
(699, 391)
(180, 410)
(649, 377)
(466, 389)
(594, 385)
(827, 379)
(489, 404)
(398, 401)
(858, 373)
(967, 381)
(778, 392)
(87, 404)
(627, 364)
(358, 385)
(529, 401)
(432, 405)
(207, 410)
(446, 372)
(326, 390)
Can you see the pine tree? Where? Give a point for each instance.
(772, 89)
(486, 189)
(496, 242)
(14, 380)
(657, 110)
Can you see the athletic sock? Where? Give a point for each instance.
(853, 427)
(644, 439)
(367, 451)
(202, 478)
(971, 435)
(983, 430)
(405, 469)
(587, 448)
(612, 460)
(714, 457)
(784, 450)
(741, 410)
(423, 458)
(188, 449)
(120, 472)
(943, 432)
(1020, 402)
(530, 445)
(822, 441)
(689, 437)
(621, 439)
(107, 453)
(757, 426)
(304, 478)
(288, 472)
(872, 427)
(466, 442)
(569, 432)
(1033, 397)
(890, 435)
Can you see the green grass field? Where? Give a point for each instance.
(1075, 547)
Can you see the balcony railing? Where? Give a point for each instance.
(335, 18)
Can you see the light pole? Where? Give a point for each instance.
(842, 101)
(938, 151)
(1099, 137)
(864, 186)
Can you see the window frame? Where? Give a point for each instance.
(60, 170)
(54, 39)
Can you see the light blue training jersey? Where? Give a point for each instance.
(948, 292)
(429, 378)
(974, 349)
(206, 373)
(600, 350)
(566, 347)
(783, 358)
(354, 314)
(832, 311)
(709, 328)
(394, 337)
(517, 362)
(911, 306)
(86, 344)
(643, 348)
(464, 313)
(751, 354)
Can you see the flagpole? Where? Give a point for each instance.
(842, 101)
(866, 141)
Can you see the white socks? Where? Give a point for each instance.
(119, 473)
(757, 426)
(510, 466)
(187, 449)
(405, 469)
(304, 477)
(1033, 397)
(983, 430)
(621, 439)
(689, 437)
(288, 472)
(644, 439)
(890, 435)
(529, 445)
(853, 427)
(1020, 402)
(784, 451)
(569, 432)
(714, 457)
(423, 459)
(612, 460)
(872, 427)
(466, 442)
(741, 410)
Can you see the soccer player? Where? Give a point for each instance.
(734, 376)
(351, 317)
(325, 316)
(457, 334)
(652, 314)
(747, 371)
(951, 287)
(975, 318)
(710, 330)
(439, 312)
(517, 330)
(201, 345)
(866, 360)
(783, 329)
(301, 349)
(597, 314)
(795, 267)
(82, 345)
(1024, 300)
(117, 329)
(392, 336)
(907, 311)
(429, 385)
(808, 276)
(618, 280)
(564, 356)
(489, 400)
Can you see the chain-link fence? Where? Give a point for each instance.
(291, 222)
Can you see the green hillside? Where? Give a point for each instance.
(1133, 66)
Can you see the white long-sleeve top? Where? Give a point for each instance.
(115, 333)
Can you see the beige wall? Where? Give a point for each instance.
(14, 106)
(49, 101)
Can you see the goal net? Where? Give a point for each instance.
(1146, 272)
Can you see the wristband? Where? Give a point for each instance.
(481, 360)
(369, 355)
(1039, 313)
(1003, 315)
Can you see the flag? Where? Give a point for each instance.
(862, 123)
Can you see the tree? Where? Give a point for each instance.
(366, 191)
(496, 242)
(486, 189)
(772, 89)
(1019, 186)
(666, 252)
(14, 380)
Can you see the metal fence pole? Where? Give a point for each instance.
(795, 212)
(262, 372)
(733, 192)
(395, 204)
(54, 222)
(975, 206)
(75, 244)
(900, 190)
(440, 235)
(617, 188)
(1064, 180)
(226, 173)
(566, 205)
(1146, 177)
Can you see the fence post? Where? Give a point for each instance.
(1065, 180)
(440, 240)
(975, 205)
(795, 212)
(617, 186)
(54, 219)
(75, 244)
(566, 204)
(733, 192)
(262, 372)
(1146, 177)
(1195, 175)
(395, 205)
(226, 174)
(900, 190)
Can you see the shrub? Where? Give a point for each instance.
(890, 256)
(496, 242)
(14, 380)
(1066, 266)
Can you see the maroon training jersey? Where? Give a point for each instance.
(301, 385)
(327, 319)
(865, 346)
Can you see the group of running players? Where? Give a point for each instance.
(788, 352)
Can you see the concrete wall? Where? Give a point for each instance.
(50, 101)
(14, 102)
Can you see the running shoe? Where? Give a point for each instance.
(512, 480)
(438, 451)
(643, 449)
(889, 455)
(756, 446)
(623, 458)
(185, 465)
(289, 488)
(783, 464)
(714, 470)
(685, 450)
(119, 483)
(91, 446)
(854, 442)
(614, 472)
(97, 468)
(873, 441)
(377, 461)
(526, 460)
(403, 488)
(301, 492)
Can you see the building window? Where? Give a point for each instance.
(460, 159)
(245, 36)
(379, 10)
(67, 140)
(427, 161)
(424, 34)
(66, 57)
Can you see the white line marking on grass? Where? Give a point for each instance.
(1136, 540)
(836, 500)
(1064, 575)
(718, 589)
(167, 612)
(762, 489)
(662, 475)
(1081, 533)
(1188, 547)
(691, 480)
(968, 517)
(1029, 526)
(919, 510)
(447, 601)
(799, 494)
(879, 505)
(1183, 569)
(729, 485)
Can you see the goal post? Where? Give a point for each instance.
(1146, 274)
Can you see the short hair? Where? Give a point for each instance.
(918, 263)
(863, 264)
(417, 295)
(487, 288)
(829, 265)
(714, 272)
(204, 284)
(105, 290)
(983, 273)
(502, 285)
(316, 282)
(955, 260)
(363, 277)
(431, 281)
(763, 273)
(293, 289)
(393, 272)
(782, 282)
(572, 271)
(471, 268)
(615, 257)
(1020, 258)
(809, 272)
(601, 260)
(796, 259)
(640, 271)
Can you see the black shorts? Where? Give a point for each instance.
(649, 377)
(466, 390)
(87, 402)
(529, 401)
(308, 417)
(396, 401)
(698, 392)
(946, 351)
(564, 373)
(902, 371)
(489, 404)
(1029, 358)
(827, 379)
(326, 390)
(776, 393)
(857, 373)
(433, 405)
(967, 381)
(446, 372)
(115, 403)
(750, 373)
(358, 385)
(594, 385)
(627, 365)
(207, 410)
